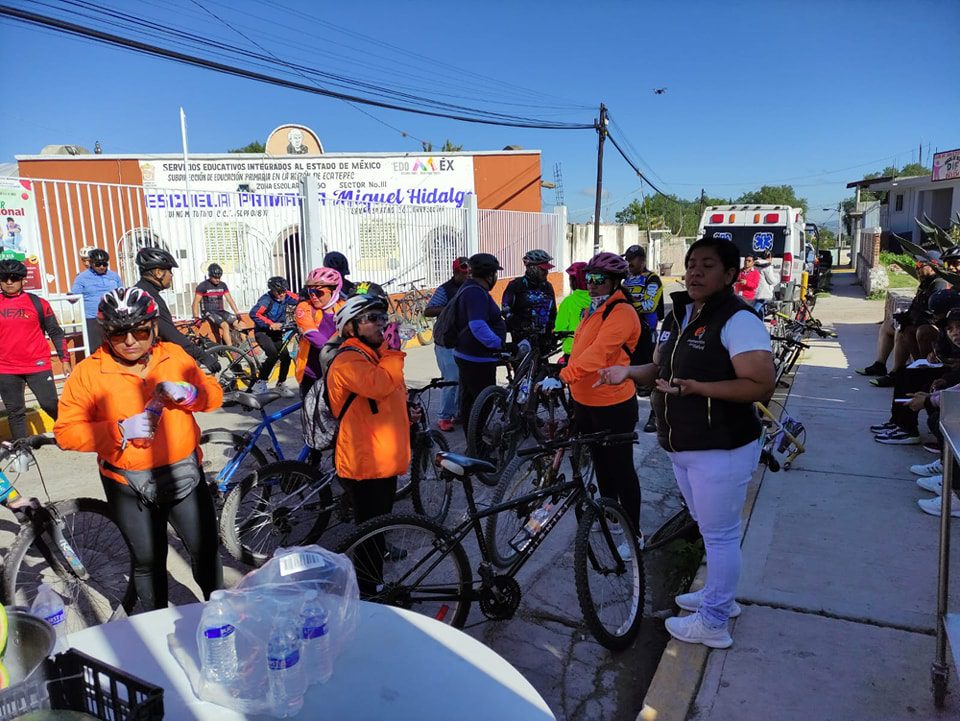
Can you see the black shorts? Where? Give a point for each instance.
(216, 317)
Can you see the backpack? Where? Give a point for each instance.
(607, 311)
(446, 330)
(37, 307)
(320, 425)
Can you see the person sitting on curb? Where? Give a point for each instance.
(208, 304)
(931, 474)
(445, 360)
(909, 333)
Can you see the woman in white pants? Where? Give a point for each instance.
(712, 362)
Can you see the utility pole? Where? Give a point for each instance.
(702, 201)
(602, 131)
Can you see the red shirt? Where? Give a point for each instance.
(23, 345)
(747, 282)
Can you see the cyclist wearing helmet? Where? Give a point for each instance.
(338, 262)
(445, 360)
(606, 335)
(208, 304)
(712, 362)
(951, 258)
(156, 274)
(24, 352)
(367, 393)
(148, 459)
(645, 290)
(315, 320)
(92, 283)
(529, 303)
(84, 254)
(574, 306)
(269, 316)
(480, 332)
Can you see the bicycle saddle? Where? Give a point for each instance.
(464, 465)
(250, 400)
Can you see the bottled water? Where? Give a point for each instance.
(48, 605)
(524, 390)
(532, 527)
(285, 671)
(218, 640)
(315, 638)
(154, 407)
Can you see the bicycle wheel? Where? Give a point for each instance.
(551, 416)
(432, 492)
(409, 562)
(221, 447)
(97, 541)
(611, 585)
(679, 525)
(523, 475)
(287, 503)
(238, 370)
(492, 430)
(423, 324)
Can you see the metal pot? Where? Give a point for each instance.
(29, 642)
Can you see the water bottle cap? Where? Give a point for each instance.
(311, 594)
(218, 595)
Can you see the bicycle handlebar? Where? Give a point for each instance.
(790, 341)
(434, 383)
(33, 442)
(601, 438)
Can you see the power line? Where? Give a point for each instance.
(499, 119)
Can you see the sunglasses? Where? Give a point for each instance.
(139, 334)
(100, 265)
(596, 278)
(320, 289)
(374, 317)
(10, 278)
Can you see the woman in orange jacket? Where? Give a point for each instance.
(132, 403)
(316, 323)
(609, 331)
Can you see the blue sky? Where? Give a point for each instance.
(810, 93)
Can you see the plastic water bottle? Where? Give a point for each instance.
(48, 605)
(155, 406)
(285, 670)
(218, 640)
(532, 527)
(524, 390)
(315, 639)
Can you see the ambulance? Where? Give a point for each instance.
(756, 229)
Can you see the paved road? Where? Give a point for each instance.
(547, 640)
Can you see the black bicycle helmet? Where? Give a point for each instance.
(338, 261)
(368, 287)
(13, 267)
(98, 255)
(536, 257)
(150, 258)
(950, 254)
(943, 301)
(278, 284)
(214, 271)
(483, 264)
(125, 308)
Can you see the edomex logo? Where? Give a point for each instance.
(762, 242)
(700, 331)
(431, 165)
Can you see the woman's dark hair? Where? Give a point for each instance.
(728, 252)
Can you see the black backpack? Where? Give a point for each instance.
(608, 310)
(446, 329)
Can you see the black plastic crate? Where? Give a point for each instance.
(73, 681)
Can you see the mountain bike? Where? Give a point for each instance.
(431, 491)
(73, 546)
(413, 563)
(408, 310)
(502, 417)
(234, 367)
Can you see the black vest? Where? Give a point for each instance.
(696, 423)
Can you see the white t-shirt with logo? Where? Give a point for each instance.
(743, 332)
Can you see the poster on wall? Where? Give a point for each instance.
(21, 240)
(946, 165)
(392, 180)
(293, 140)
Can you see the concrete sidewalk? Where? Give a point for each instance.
(839, 564)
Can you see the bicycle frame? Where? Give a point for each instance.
(225, 476)
(779, 432)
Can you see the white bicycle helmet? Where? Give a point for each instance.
(85, 251)
(355, 307)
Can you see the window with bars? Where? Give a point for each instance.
(225, 243)
(379, 245)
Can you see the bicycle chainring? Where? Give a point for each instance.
(501, 600)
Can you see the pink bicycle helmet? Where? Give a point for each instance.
(578, 275)
(326, 277)
(609, 263)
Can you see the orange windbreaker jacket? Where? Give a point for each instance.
(370, 444)
(100, 392)
(597, 344)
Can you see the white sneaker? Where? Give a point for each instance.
(934, 484)
(691, 602)
(284, 391)
(692, 629)
(934, 506)
(259, 387)
(933, 468)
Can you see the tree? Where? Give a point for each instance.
(449, 147)
(680, 216)
(914, 169)
(254, 147)
(774, 195)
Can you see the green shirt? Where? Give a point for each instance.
(570, 313)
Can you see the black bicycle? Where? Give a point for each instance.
(410, 562)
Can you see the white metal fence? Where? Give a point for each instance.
(253, 236)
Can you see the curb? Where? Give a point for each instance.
(37, 422)
(675, 683)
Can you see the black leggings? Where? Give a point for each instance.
(194, 518)
(616, 475)
(269, 341)
(370, 498)
(12, 394)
